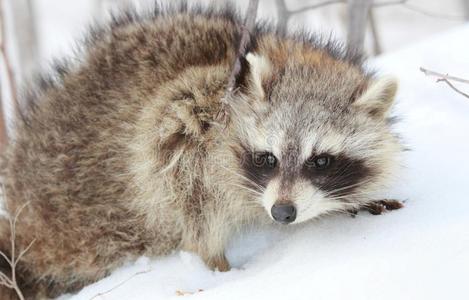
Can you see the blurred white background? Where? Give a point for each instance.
(36, 31)
(58, 24)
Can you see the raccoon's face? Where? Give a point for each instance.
(315, 140)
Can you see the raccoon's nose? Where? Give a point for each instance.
(283, 213)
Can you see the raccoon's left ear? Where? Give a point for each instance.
(254, 70)
(378, 97)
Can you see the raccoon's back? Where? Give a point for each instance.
(70, 142)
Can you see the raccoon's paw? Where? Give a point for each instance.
(380, 206)
(219, 263)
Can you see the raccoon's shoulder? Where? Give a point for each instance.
(170, 37)
(135, 52)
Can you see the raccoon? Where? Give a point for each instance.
(121, 154)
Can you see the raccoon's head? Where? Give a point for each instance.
(315, 135)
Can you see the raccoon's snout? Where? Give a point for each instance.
(284, 213)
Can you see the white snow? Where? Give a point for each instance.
(419, 252)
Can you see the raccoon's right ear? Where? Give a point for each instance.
(254, 72)
(378, 97)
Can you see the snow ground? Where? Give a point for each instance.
(419, 252)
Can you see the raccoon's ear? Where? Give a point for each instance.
(254, 70)
(378, 96)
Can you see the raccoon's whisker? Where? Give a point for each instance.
(356, 195)
(336, 175)
(246, 188)
(340, 197)
(363, 196)
(330, 193)
(249, 181)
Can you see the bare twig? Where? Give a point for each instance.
(405, 4)
(10, 79)
(377, 49)
(356, 28)
(432, 14)
(314, 6)
(6, 60)
(120, 284)
(3, 131)
(465, 5)
(357, 17)
(26, 47)
(453, 87)
(284, 14)
(11, 282)
(447, 79)
(389, 3)
(245, 39)
(444, 76)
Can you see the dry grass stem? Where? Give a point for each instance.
(120, 284)
(11, 282)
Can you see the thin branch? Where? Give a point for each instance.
(11, 282)
(22, 253)
(284, 14)
(465, 5)
(453, 87)
(241, 52)
(357, 19)
(6, 61)
(443, 76)
(431, 14)
(120, 284)
(447, 79)
(314, 6)
(6, 258)
(377, 49)
(405, 4)
(389, 3)
(24, 30)
(355, 36)
(3, 131)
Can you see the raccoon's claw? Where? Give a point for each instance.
(380, 206)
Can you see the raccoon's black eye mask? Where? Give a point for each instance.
(337, 175)
(259, 167)
(264, 160)
(320, 162)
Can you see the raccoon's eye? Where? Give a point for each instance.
(319, 162)
(264, 159)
